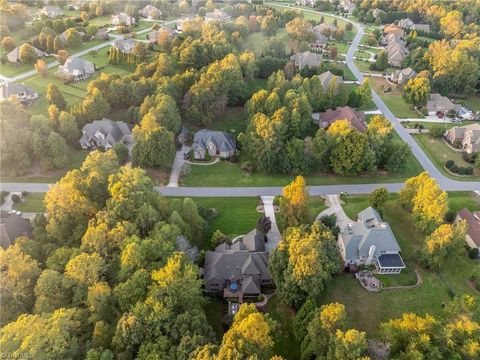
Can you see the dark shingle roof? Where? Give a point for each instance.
(13, 226)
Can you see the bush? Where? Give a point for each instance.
(121, 151)
(24, 193)
(15, 198)
(461, 171)
(450, 216)
(454, 168)
(234, 158)
(469, 170)
(436, 131)
(449, 163)
(473, 253)
(207, 156)
(470, 158)
(247, 166)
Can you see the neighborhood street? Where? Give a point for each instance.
(444, 182)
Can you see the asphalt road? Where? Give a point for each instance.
(444, 182)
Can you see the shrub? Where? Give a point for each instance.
(454, 168)
(247, 166)
(436, 131)
(473, 253)
(469, 170)
(15, 198)
(235, 157)
(461, 171)
(450, 216)
(449, 163)
(207, 156)
(470, 158)
(24, 193)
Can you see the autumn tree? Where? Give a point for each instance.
(55, 97)
(417, 91)
(74, 39)
(269, 25)
(27, 54)
(452, 24)
(446, 241)
(428, 203)
(378, 198)
(62, 56)
(8, 43)
(294, 202)
(300, 29)
(41, 67)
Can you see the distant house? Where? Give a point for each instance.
(105, 133)
(217, 15)
(370, 241)
(12, 226)
(401, 77)
(307, 58)
(393, 29)
(327, 118)
(184, 136)
(325, 28)
(438, 103)
(238, 271)
(468, 136)
(122, 19)
(50, 12)
(328, 80)
(396, 51)
(320, 41)
(377, 12)
(217, 143)
(421, 28)
(305, 2)
(124, 45)
(102, 34)
(153, 35)
(76, 69)
(150, 12)
(473, 220)
(406, 23)
(14, 55)
(21, 92)
(347, 6)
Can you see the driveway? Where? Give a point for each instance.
(177, 166)
(335, 207)
(274, 236)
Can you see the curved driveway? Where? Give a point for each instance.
(444, 182)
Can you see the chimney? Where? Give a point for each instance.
(371, 252)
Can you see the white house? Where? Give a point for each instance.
(150, 12)
(76, 69)
(122, 19)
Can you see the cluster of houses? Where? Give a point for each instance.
(394, 44)
(408, 24)
(322, 33)
(346, 6)
(465, 137)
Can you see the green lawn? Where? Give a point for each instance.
(367, 310)
(233, 121)
(342, 47)
(429, 125)
(398, 106)
(225, 173)
(353, 204)
(11, 70)
(439, 152)
(257, 41)
(362, 54)
(214, 310)
(31, 203)
(472, 102)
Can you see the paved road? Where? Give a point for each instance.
(444, 182)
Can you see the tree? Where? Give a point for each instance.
(62, 57)
(121, 151)
(446, 241)
(73, 37)
(377, 199)
(50, 292)
(91, 30)
(27, 54)
(67, 127)
(57, 150)
(210, 5)
(251, 334)
(294, 202)
(299, 29)
(348, 345)
(95, 106)
(452, 24)
(269, 25)
(55, 97)
(333, 52)
(381, 63)
(17, 281)
(153, 147)
(351, 154)
(41, 67)
(57, 44)
(218, 238)
(417, 91)
(8, 43)
(423, 196)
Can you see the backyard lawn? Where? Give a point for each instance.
(393, 99)
(439, 152)
(367, 310)
(33, 202)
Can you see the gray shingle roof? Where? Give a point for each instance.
(13, 226)
(125, 45)
(14, 88)
(113, 131)
(222, 140)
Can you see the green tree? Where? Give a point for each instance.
(27, 54)
(55, 97)
(269, 25)
(74, 39)
(67, 127)
(381, 62)
(378, 198)
(50, 292)
(95, 106)
(153, 148)
(91, 30)
(57, 150)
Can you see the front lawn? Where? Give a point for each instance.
(361, 54)
(33, 202)
(393, 99)
(368, 310)
(10, 70)
(439, 152)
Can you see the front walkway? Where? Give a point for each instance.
(177, 166)
(274, 236)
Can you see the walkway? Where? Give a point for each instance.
(274, 236)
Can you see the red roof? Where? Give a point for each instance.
(473, 221)
(355, 118)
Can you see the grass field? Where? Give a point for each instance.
(428, 125)
(367, 310)
(439, 152)
(362, 54)
(342, 47)
(31, 203)
(393, 99)
(258, 42)
(233, 120)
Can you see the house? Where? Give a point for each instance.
(13, 226)
(401, 77)
(347, 6)
(14, 55)
(438, 103)
(305, 2)
(328, 80)
(425, 28)
(406, 23)
(370, 241)
(473, 220)
(238, 271)
(124, 45)
(327, 118)
(396, 52)
(394, 29)
(217, 143)
(150, 12)
(50, 12)
(22, 93)
(217, 15)
(105, 133)
(468, 136)
(320, 41)
(377, 12)
(307, 58)
(153, 35)
(102, 34)
(63, 36)
(76, 69)
(325, 29)
(122, 19)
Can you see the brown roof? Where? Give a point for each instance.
(473, 222)
(355, 118)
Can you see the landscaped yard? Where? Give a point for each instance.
(233, 121)
(367, 310)
(439, 152)
(393, 99)
(257, 42)
(362, 54)
(33, 202)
